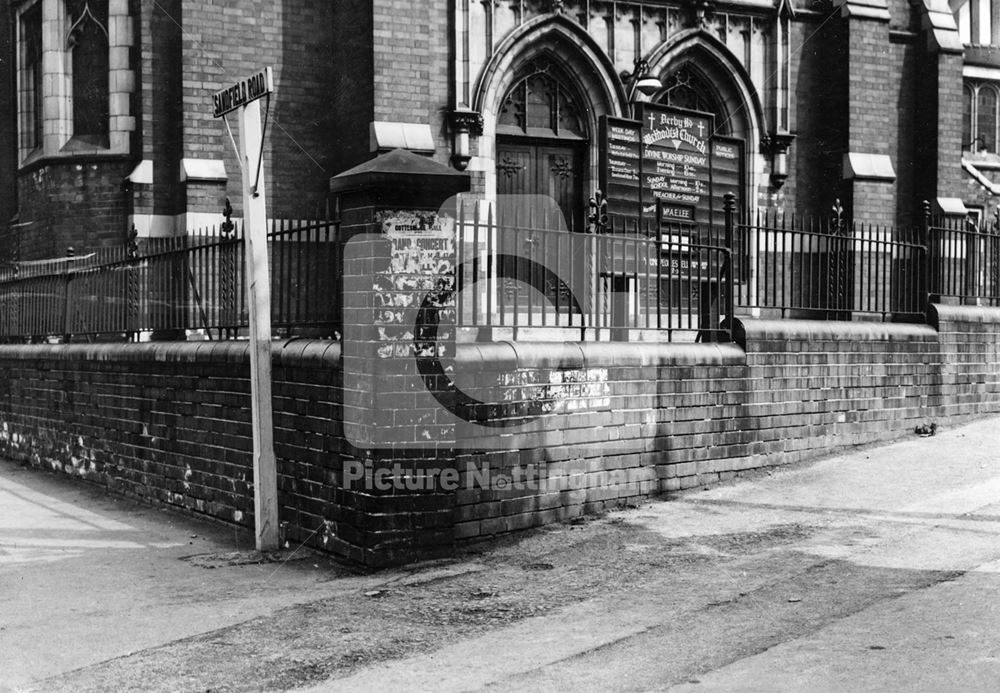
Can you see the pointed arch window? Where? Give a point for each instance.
(541, 104)
(75, 77)
(687, 88)
(986, 118)
(88, 42)
(967, 96)
(980, 103)
(30, 79)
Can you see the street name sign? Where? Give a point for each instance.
(243, 96)
(244, 91)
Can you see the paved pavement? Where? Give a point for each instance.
(86, 577)
(877, 570)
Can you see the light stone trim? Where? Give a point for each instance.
(211, 170)
(492, 39)
(57, 84)
(174, 225)
(972, 170)
(863, 166)
(142, 174)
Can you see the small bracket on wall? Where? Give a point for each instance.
(471, 121)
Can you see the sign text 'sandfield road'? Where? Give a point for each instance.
(243, 92)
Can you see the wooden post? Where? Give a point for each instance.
(265, 470)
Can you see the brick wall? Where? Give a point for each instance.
(170, 423)
(870, 70)
(225, 40)
(669, 417)
(72, 203)
(160, 70)
(901, 15)
(951, 178)
(871, 112)
(903, 125)
(8, 137)
(874, 201)
(411, 65)
(970, 359)
(351, 101)
(938, 126)
(818, 116)
(591, 425)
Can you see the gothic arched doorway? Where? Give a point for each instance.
(542, 142)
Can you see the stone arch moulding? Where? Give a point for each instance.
(570, 47)
(733, 85)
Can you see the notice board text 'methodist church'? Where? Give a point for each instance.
(109, 121)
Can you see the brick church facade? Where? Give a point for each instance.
(107, 121)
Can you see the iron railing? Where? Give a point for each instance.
(625, 280)
(964, 261)
(195, 282)
(635, 281)
(829, 268)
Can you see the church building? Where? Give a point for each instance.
(108, 122)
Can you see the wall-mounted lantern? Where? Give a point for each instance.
(639, 81)
(464, 124)
(776, 145)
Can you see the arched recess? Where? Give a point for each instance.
(741, 114)
(568, 47)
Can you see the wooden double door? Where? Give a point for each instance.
(546, 168)
(539, 194)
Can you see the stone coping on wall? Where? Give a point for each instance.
(981, 314)
(570, 355)
(298, 352)
(302, 351)
(833, 330)
(563, 355)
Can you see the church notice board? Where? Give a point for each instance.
(726, 162)
(620, 165)
(669, 155)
